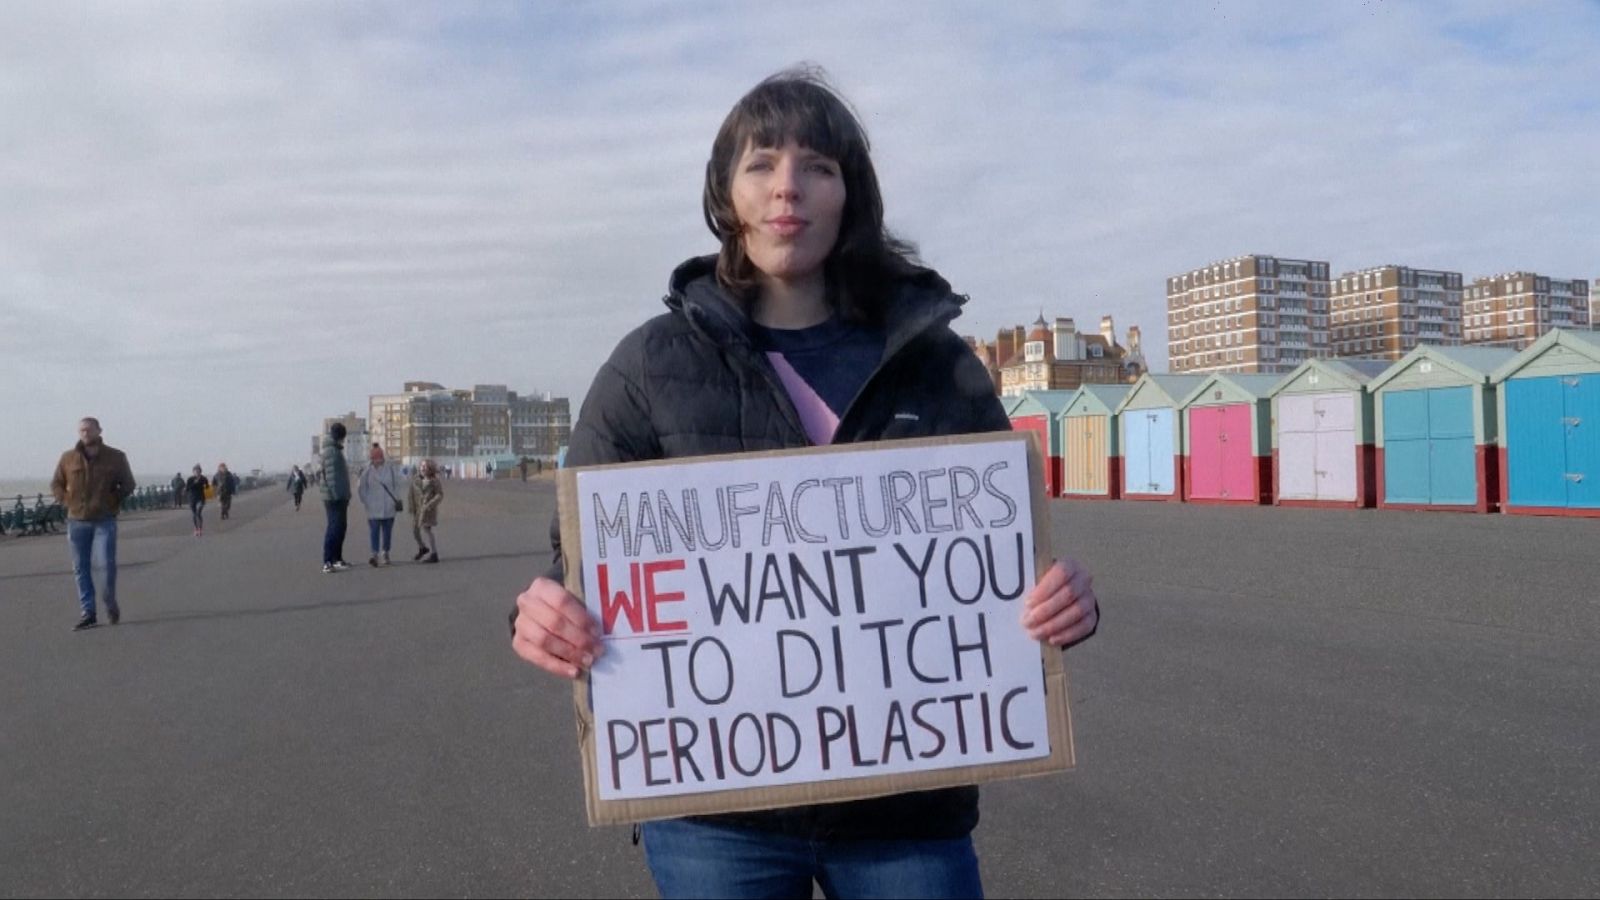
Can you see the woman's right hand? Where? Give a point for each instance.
(554, 631)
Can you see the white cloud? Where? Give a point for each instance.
(225, 221)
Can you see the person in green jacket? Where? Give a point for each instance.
(335, 499)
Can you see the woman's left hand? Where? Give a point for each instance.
(1062, 608)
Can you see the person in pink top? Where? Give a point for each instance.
(811, 325)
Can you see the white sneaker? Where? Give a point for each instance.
(341, 565)
(386, 559)
(328, 569)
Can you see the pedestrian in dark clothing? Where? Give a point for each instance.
(813, 325)
(196, 487)
(226, 484)
(297, 486)
(335, 499)
(177, 490)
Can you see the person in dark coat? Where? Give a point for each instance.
(813, 325)
(226, 485)
(296, 486)
(334, 476)
(195, 487)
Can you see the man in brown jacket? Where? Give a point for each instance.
(91, 481)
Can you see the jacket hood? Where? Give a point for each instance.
(920, 301)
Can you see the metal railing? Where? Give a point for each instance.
(43, 515)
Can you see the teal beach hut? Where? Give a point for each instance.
(1437, 430)
(1548, 399)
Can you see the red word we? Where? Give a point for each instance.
(641, 604)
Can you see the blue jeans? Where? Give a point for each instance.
(333, 537)
(700, 859)
(380, 528)
(90, 539)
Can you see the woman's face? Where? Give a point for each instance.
(789, 201)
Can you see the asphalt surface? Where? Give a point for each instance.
(1280, 703)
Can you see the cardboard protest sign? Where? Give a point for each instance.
(812, 625)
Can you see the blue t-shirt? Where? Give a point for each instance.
(835, 358)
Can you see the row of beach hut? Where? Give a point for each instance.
(1445, 428)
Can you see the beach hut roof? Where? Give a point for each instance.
(1170, 386)
(1349, 373)
(1173, 387)
(1252, 385)
(1048, 402)
(1100, 397)
(1474, 363)
(1109, 395)
(1583, 343)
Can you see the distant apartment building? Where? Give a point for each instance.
(1515, 308)
(456, 426)
(1386, 311)
(1259, 314)
(1058, 357)
(355, 435)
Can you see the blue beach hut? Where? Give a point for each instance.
(1549, 413)
(1151, 436)
(1437, 429)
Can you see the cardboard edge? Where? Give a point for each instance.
(1058, 717)
(571, 543)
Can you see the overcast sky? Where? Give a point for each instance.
(220, 222)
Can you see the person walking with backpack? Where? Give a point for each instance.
(379, 489)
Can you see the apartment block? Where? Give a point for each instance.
(1259, 314)
(488, 422)
(1513, 309)
(1386, 311)
(355, 436)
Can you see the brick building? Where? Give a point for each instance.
(1386, 311)
(1248, 314)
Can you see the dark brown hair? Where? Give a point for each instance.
(798, 104)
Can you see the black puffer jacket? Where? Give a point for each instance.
(690, 383)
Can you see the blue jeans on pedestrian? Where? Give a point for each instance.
(700, 859)
(90, 539)
(333, 537)
(380, 528)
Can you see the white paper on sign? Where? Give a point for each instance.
(816, 617)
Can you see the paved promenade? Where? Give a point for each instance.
(1281, 702)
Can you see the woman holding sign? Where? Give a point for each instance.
(812, 325)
